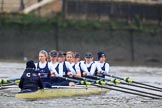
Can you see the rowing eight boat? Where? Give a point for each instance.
(62, 91)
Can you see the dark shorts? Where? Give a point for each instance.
(46, 82)
(59, 82)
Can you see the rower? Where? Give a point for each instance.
(53, 60)
(80, 67)
(30, 81)
(102, 64)
(70, 57)
(44, 69)
(90, 64)
(63, 69)
(53, 63)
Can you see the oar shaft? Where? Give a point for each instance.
(70, 79)
(110, 88)
(9, 81)
(8, 84)
(127, 92)
(147, 85)
(134, 82)
(133, 90)
(120, 86)
(123, 87)
(2, 88)
(7, 87)
(131, 84)
(115, 77)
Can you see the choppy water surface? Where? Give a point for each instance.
(113, 99)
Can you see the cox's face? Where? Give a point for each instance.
(42, 57)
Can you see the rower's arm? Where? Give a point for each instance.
(84, 68)
(78, 73)
(54, 72)
(93, 69)
(99, 70)
(107, 68)
(70, 68)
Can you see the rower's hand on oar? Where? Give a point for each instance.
(71, 84)
(69, 74)
(99, 72)
(100, 75)
(84, 73)
(52, 74)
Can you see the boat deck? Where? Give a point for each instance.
(62, 91)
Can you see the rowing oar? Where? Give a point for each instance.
(105, 83)
(8, 86)
(5, 82)
(106, 87)
(131, 81)
(8, 83)
(117, 81)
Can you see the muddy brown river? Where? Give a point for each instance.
(111, 99)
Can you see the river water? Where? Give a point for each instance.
(113, 99)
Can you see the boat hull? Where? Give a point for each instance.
(56, 92)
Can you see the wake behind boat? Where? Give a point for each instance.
(62, 91)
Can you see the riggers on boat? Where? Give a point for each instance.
(62, 91)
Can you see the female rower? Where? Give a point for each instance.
(80, 67)
(90, 64)
(44, 69)
(70, 57)
(63, 69)
(53, 60)
(102, 64)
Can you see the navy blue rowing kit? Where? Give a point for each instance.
(30, 81)
(44, 75)
(62, 70)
